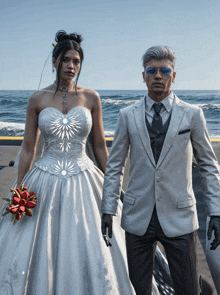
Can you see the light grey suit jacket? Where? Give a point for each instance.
(168, 184)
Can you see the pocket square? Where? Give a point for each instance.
(184, 131)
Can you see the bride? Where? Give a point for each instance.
(60, 250)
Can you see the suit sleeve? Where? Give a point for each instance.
(207, 163)
(115, 168)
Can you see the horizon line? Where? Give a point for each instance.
(118, 90)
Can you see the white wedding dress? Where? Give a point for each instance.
(60, 249)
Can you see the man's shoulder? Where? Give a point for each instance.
(187, 106)
(130, 108)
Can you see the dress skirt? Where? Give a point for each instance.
(60, 249)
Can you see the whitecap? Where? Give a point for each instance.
(119, 101)
(11, 129)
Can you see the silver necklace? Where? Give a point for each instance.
(64, 89)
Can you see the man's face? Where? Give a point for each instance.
(158, 82)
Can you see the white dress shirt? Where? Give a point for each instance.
(165, 112)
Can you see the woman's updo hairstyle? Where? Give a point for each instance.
(65, 42)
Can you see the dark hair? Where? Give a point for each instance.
(66, 42)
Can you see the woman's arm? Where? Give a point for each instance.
(98, 136)
(30, 139)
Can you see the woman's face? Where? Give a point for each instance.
(70, 66)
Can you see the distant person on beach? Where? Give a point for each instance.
(161, 133)
(60, 250)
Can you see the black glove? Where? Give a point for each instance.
(106, 223)
(214, 224)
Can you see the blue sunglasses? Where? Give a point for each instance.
(163, 71)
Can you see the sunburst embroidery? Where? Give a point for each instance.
(64, 167)
(64, 146)
(65, 127)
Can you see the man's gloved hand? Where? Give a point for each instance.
(106, 223)
(214, 224)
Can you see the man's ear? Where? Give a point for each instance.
(143, 75)
(174, 76)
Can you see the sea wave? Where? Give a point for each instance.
(13, 108)
(12, 101)
(208, 106)
(119, 101)
(11, 129)
(109, 133)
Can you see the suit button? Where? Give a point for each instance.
(158, 179)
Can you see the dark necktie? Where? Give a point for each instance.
(157, 123)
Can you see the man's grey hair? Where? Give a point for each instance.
(159, 52)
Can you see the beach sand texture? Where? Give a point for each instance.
(9, 174)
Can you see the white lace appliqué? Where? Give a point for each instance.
(8, 285)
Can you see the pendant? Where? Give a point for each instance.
(64, 97)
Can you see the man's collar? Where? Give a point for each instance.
(167, 102)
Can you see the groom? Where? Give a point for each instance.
(162, 133)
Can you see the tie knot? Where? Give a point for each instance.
(157, 107)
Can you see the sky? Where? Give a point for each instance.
(116, 35)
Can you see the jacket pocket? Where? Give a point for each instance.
(185, 204)
(184, 131)
(129, 199)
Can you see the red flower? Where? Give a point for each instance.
(21, 209)
(14, 210)
(24, 195)
(31, 204)
(32, 196)
(16, 200)
(28, 213)
(23, 202)
(19, 191)
(18, 216)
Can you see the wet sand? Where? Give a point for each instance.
(9, 174)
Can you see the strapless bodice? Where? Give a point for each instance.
(65, 138)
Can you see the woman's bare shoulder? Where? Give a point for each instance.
(90, 94)
(39, 95)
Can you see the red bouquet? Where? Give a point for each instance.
(21, 204)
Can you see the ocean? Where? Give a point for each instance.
(13, 108)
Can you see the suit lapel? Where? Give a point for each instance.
(139, 114)
(176, 119)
